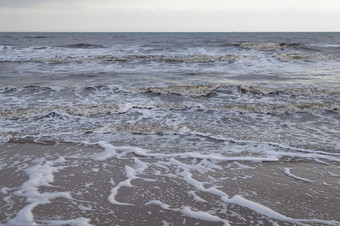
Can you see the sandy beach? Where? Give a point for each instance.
(87, 184)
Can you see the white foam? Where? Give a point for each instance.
(159, 203)
(111, 151)
(5, 137)
(85, 208)
(196, 197)
(288, 173)
(39, 175)
(202, 216)
(333, 174)
(187, 176)
(131, 174)
(213, 157)
(81, 221)
(165, 223)
(125, 183)
(5, 190)
(123, 108)
(198, 90)
(242, 166)
(323, 45)
(241, 201)
(190, 213)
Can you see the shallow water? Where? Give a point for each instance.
(173, 128)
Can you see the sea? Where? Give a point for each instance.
(170, 128)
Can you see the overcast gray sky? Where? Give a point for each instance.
(169, 15)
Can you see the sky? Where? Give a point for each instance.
(169, 15)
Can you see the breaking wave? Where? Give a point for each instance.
(59, 111)
(190, 90)
(169, 58)
(287, 90)
(283, 108)
(185, 90)
(305, 57)
(129, 58)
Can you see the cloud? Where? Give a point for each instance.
(20, 3)
(143, 20)
(166, 15)
(264, 5)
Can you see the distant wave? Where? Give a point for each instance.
(37, 36)
(262, 46)
(83, 46)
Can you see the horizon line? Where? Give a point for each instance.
(169, 31)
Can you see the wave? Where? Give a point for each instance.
(323, 45)
(60, 112)
(263, 46)
(2, 47)
(305, 57)
(206, 90)
(168, 58)
(228, 58)
(287, 90)
(36, 36)
(130, 58)
(83, 46)
(284, 108)
(182, 90)
(199, 90)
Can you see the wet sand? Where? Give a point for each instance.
(78, 184)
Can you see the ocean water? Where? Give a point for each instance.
(234, 128)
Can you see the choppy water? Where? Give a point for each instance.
(227, 97)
